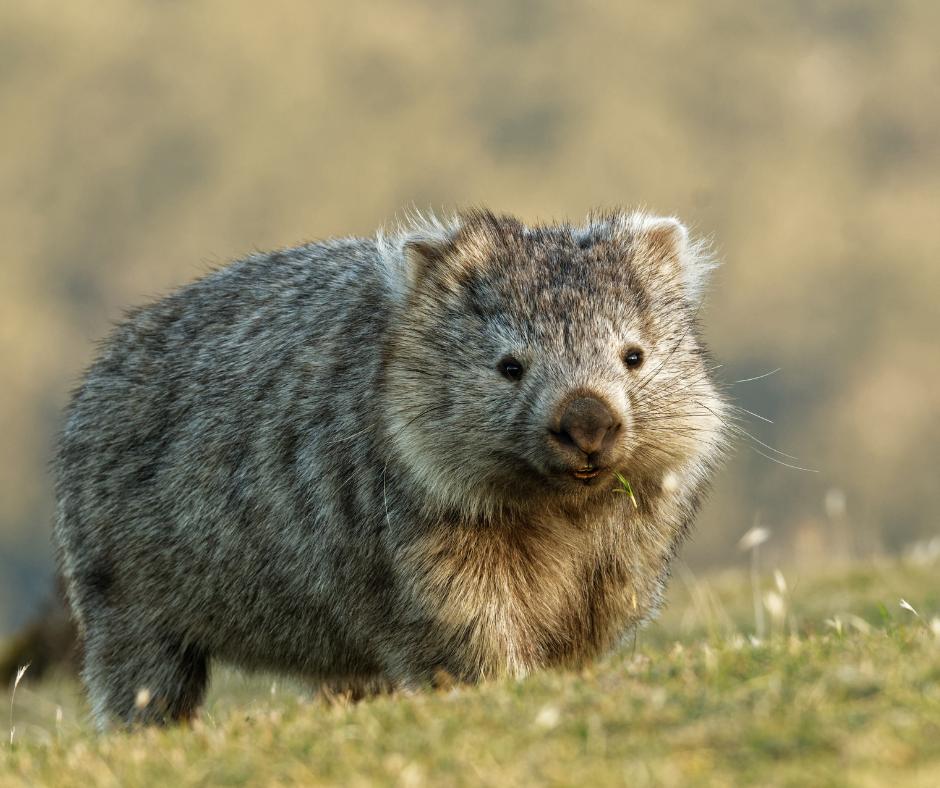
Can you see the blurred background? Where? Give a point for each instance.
(143, 142)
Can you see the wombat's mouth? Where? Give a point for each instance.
(587, 473)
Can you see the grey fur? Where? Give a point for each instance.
(369, 461)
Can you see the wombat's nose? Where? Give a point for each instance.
(586, 421)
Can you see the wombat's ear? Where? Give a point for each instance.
(430, 256)
(423, 254)
(665, 235)
(664, 246)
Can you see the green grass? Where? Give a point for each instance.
(696, 701)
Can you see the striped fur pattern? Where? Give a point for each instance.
(368, 461)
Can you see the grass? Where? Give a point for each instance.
(626, 487)
(844, 692)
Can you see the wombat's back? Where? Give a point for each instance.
(206, 456)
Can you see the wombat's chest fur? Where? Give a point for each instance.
(370, 461)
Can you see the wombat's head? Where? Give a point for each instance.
(530, 364)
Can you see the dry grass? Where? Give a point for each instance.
(845, 691)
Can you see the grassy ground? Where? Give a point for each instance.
(844, 689)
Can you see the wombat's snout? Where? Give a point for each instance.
(586, 432)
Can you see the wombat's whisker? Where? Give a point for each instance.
(688, 327)
(738, 430)
(781, 462)
(672, 417)
(670, 396)
(755, 415)
(671, 385)
(685, 430)
(759, 377)
(769, 448)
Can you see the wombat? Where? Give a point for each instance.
(471, 448)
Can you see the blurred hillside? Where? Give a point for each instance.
(144, 141)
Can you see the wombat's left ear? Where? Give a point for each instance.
(665, 244)
(424, 254)
(431, 257)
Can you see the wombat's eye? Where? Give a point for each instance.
(511, 368)
(634, 358)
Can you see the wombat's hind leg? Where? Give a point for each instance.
(143, 681)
